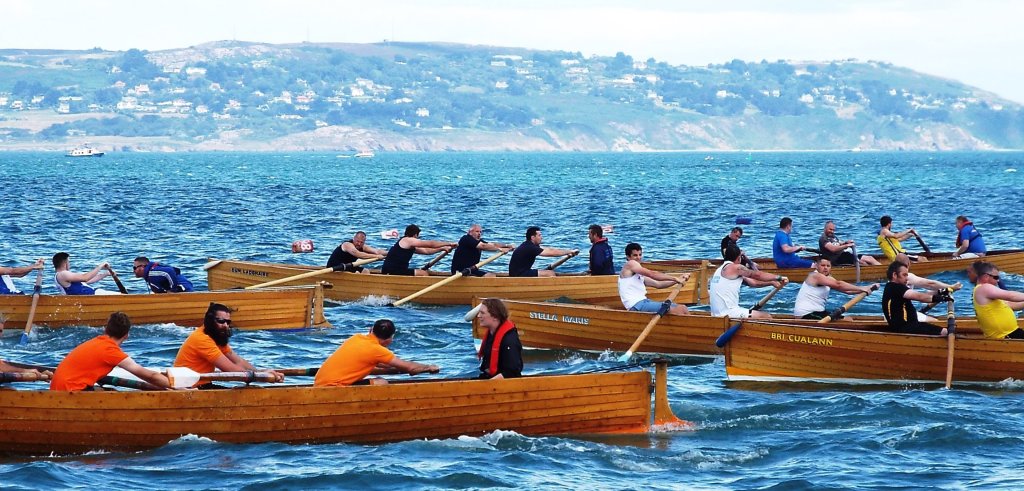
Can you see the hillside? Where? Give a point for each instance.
(435, 96)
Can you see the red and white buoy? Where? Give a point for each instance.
(304, 245)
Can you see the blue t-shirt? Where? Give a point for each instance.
(601, 262)
(977, 243)
(786, 259)
(523, 258)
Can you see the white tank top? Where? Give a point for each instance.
(632, 290)
(810, 298)
(725, 293)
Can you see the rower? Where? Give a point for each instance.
(783, 249)
(353, 250)
(968, 240)
(467, 253)
(6, 285)
(524, 256)
(161, 278)
(889, 241)
(207, 347)
(994, 305)
(398, 258)
(897, 307)
(634, 280)
(725, 287)
(813, 295)
(95, 358)
(366, 354)
(70, 283)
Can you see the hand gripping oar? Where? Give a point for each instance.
(445, 281)
(837, 313)
(310, 274)
(856, 263)
(435, 260)
(950, 339)
(667, 304)
(6, 377)
(32, 311)
(563, 259)
(956, 287)
(182, 377)
(117, 281)
(729, 333)
(924, 246)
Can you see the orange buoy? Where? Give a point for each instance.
(304, 245)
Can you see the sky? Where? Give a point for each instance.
(974, 42)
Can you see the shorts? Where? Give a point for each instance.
(474, 272)
(648, 305)
(817, 315)
(401, 272)
(530, 273)
(735, 313)
(795, 263)
(1016, 334)
(844, 259)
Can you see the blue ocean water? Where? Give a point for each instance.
(183, 208)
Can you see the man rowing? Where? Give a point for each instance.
(813, 295)
(207, 349)
(995, 306)
(783, 249)
(725, 287)
(526, 254)
(889, 241)
(897, 305)
(731, 241)
(71, 283)
(968, 240)
(161, 278)
(398, 258)
(837, 250)
(95, 358)
(601, 260)
(634, 280)
(6, 285)
(467, 253)
(353, 250)
(366, 354)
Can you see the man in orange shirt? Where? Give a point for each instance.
(207, 347)
(365, 354)
(94, 359)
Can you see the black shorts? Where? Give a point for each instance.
(1016, 334)
(400, 272)
(530, 273)
(816, 316)
(845, 259)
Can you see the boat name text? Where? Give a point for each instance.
(793, 338)
(251, 272)
(583, 321)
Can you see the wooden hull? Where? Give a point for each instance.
(271, 308)
(1010, 261)
(776, 351)
(45, 422)
(600, 290)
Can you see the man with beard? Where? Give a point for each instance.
(207, 347)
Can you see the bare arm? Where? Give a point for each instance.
(20, 271)
(156, 378)
(992, 292)
(848, 288)
(964, 244)
(369, 253)
(791, 248)
(917, 295)
(231, 362)
(552, 252)
(411, 367)
(926, 283)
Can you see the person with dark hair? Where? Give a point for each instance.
(897, 307)
(995, 305)
(367, 354)
(161, 278)
(601, 261)
(634, 280)
(524, 256)
(731, 241)
(353, 250)
(94, 359)
(836, 250)
(70, 283)
(207, 349)
(783, 249)
(968, 240)
(813, 295)
(6, 285)
(889, 241)
(501, 353)
(397, 260)
(467, 253)
(724, 287)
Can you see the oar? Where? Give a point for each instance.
(563, 259)
(729, 333)
(924, 246)
(856, 263)
(32, 311)
(435, 260)
(182, 377)
(117, 281)
(473, 312)
(956, 287)
(22, 377)
(667, 304)
(445, 281)
(837, 313)
(950, 339)
(298, 372)
(128, 383)
(310, 274)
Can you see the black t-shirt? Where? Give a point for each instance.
(728, 243)
(523, 258)
(340, 256)
(466, 254)
(398, 259)
(900, 313)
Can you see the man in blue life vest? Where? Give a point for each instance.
(161, 278)
(6, 285)
(968, 240)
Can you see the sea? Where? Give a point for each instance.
(184, 208)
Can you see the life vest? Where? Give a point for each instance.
(155, 275)
(973, 233)
(504, 328)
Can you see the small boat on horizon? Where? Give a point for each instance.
(83, 151)
(364, 154)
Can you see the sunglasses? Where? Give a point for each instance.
(994, 276)
(137, 266)
(226, 322)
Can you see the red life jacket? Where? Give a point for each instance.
(504, 328)
(959, 228)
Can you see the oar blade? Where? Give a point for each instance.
(626, 357)
(182, 377)
(472, 313)
(24, 339)
(728, 334)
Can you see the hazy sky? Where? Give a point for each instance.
(975, 42)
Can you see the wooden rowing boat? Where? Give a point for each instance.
(773, 351)
(601, 290)
(270, 308)
(550, 325)
(40, 422)
(1010, 261)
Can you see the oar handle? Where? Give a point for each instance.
(764, 301)
(247, 377)
(837, 313)
(950, 340)
(924, 246)
(127, 383)
(6, 377)
(117, 281)
(435, 260)
(856, 263)
(36, 291)
(298, 372)
(665, 306)
(956, 287)
(310, 274)
(445, 281)
(563, 259)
